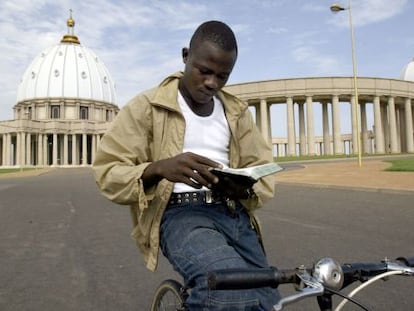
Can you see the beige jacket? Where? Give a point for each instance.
(151, 127)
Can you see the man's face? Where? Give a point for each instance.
(207, 69)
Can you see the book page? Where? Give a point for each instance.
(255, 172)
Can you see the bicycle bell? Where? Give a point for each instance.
(329, 273)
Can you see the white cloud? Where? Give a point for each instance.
(314, 61)
(277, 30)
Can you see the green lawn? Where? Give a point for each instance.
(14, 170)
(306, 158)
(398, 165)
(401, 165)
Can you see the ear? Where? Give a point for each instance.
(184, 54)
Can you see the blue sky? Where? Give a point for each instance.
(140, 41)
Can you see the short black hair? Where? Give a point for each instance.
(216, 32)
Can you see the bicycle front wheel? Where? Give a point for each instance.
(169, 296)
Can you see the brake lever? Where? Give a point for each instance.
(393, 266)
(311, 287)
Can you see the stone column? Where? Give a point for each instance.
(84, 149)
(55, 149)
(302, 130)
(379, 136)
(23, 148)
(402, 127)
(291, 127)
(7, 155)
(18, 148)
(65, 149)
(3, 150)
(93, 147)
(264, 120)
(28, 149)
(310, 126)
(46, 159)
(409, 125)
(385, 127)
(364, 129)
(354, 124)
(325, 128)
(393, 126)
(40, 149)
(98, 141)
(74, 150)
(336, 124)
(9, 160)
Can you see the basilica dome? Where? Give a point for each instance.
(67, 70)
(408, 72)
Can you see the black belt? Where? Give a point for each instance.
(195, 197)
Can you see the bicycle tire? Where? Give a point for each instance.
(169, 296)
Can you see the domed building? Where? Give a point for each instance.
(408, 72)
(65, 102)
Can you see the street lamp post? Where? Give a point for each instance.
(335, 8)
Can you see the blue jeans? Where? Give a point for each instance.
(205, 237)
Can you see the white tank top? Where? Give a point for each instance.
(207, 136)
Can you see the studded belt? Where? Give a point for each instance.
(194, 197)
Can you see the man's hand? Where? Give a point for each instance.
(189, 168)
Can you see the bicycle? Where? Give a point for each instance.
(325, 279)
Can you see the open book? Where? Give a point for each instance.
(246, 176)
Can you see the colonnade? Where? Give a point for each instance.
(393, 114)
(392, 129)
(47, 149)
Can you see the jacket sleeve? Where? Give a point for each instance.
(254, 150)
(123, 154)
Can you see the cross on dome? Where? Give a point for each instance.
(70, 37)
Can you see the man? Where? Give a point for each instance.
(158, 155)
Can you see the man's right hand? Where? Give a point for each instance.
(188, 168)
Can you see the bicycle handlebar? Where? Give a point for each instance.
(250, 278)
(326, 276)
(408, 261)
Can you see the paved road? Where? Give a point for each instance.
(64, 247)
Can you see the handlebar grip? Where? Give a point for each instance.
(409, 261)
(249, 278)
(360, 271)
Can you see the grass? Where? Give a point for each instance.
(306, 158)
(14, 170)
(398, 165)
(401, 165)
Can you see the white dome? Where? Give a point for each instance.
(67, 70)
(408, 72)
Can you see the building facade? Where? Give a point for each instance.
(65, 102)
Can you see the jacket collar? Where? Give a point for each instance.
(167, 93)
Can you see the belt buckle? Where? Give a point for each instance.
(231, 205)
(209, 197)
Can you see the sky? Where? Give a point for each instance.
(140, 41)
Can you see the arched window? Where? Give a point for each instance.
(83, 113)
(54, 112)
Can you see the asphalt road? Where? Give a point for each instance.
(65, 247)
